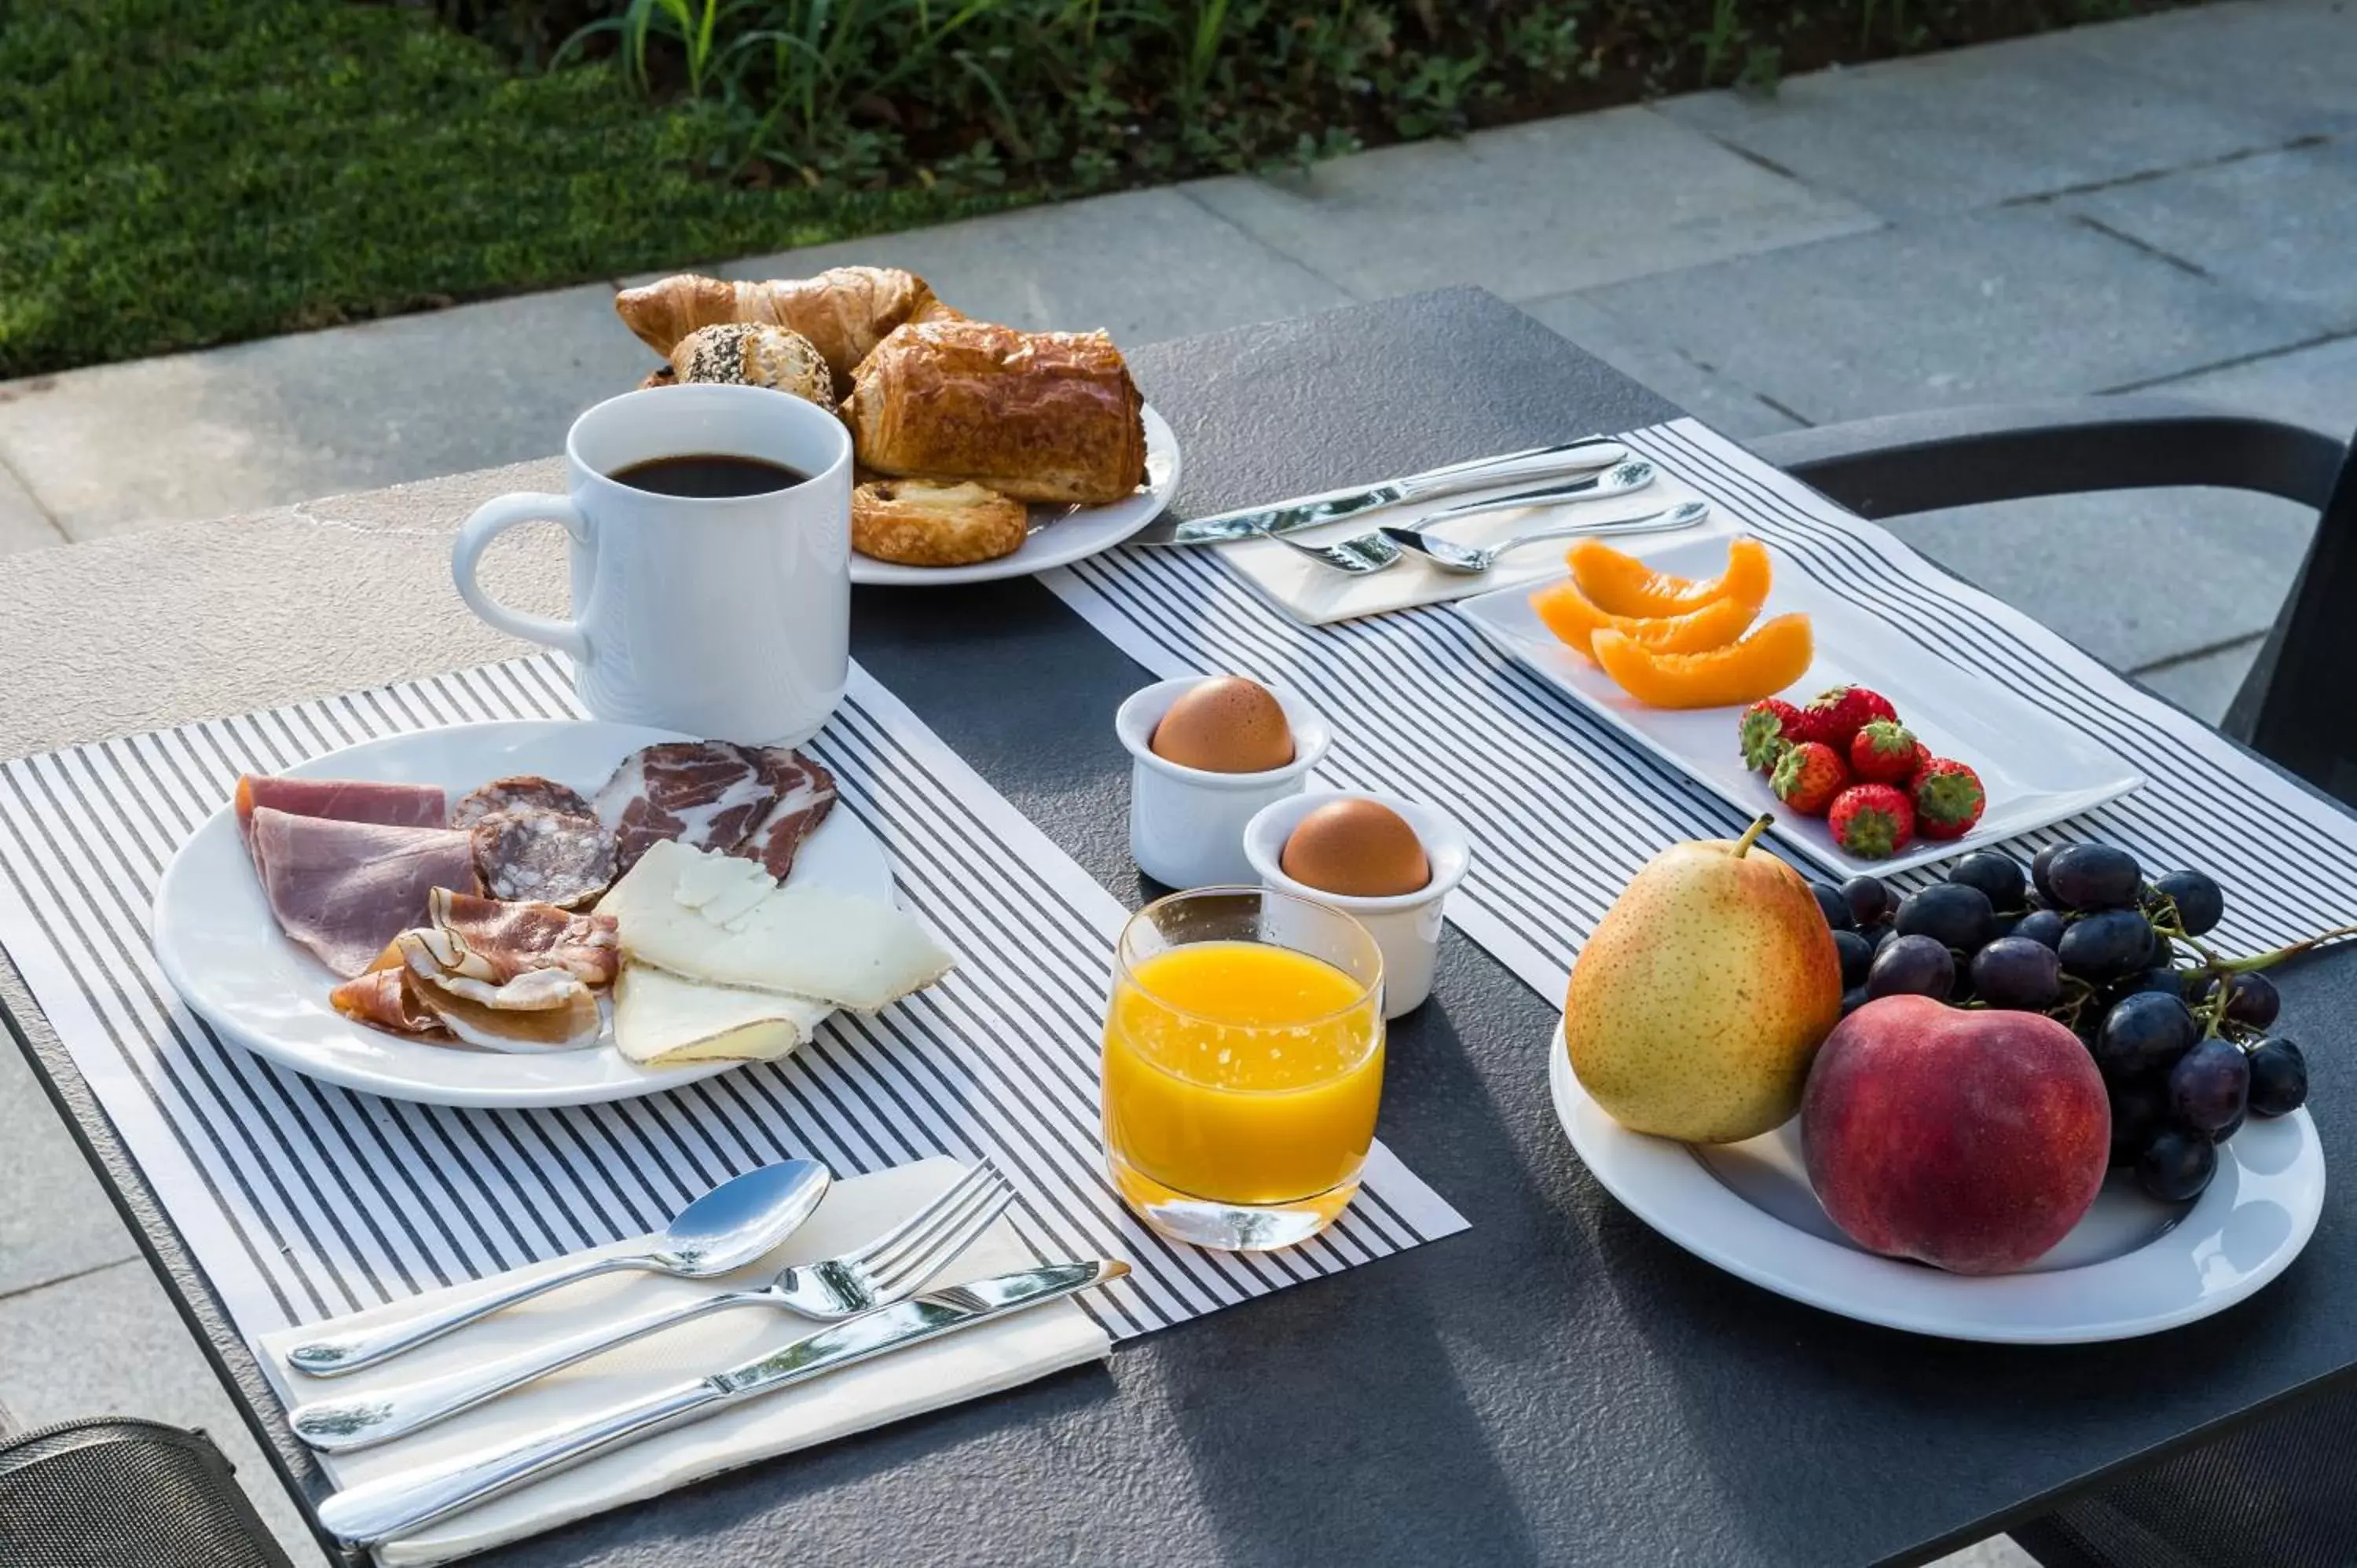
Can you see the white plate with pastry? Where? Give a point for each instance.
(224, 941)
(983, 451)
(1052, 535)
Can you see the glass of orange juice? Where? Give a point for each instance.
(1244, 1061)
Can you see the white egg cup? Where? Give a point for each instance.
(1187, 824)
(1406, 927)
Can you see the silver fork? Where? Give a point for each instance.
(890, 1268)
(1357, 556)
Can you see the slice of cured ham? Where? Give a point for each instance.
(706, 794)
(340, 799)
(492, 940)
(383, 997)
(805, 795)
(344, 889)
(756, 802)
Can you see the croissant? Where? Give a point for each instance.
(845, 311)
(755, 356)
(1040, 416)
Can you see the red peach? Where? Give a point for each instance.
(1972, 1140)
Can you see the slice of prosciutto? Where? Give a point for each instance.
(344, 889)
(805, 795)
(489, 940)
(383, 997)
(706, 794)
(340, 799)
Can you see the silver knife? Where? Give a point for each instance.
(1309, 512)
(378, 1510)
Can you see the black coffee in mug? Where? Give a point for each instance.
(709, 476)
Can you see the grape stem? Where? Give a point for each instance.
(2257, 962)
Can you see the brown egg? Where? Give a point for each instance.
(1227, 725)
(1360, 849)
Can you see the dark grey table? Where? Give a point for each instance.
(1558, 1384)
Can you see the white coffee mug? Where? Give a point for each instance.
(725, 617)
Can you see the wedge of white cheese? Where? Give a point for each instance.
(678, 911)
(663, 1020)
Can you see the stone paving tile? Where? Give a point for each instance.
(55, 1218)
(2204, 686)
(2290, 60)
(110, 1343)
(1629, 349)
(2022, 303)
(22, 521)
(1143, 265)
(2315, 387)
(1530, 211)
(2281, 226)
(1974, 127)
(23, 524)
(2132, 576)
(256, 425)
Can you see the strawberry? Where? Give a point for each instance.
(1840, 712)
(1808, 777)
(1948, 799)
(1767, 727)
(1885, 752)
(1872, 821)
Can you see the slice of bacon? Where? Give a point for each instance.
(340, 800)
(705, 793)
(805, 795)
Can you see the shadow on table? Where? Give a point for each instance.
(1376, 1452)
(2006, 1425)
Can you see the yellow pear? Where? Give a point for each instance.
(1694, 1009)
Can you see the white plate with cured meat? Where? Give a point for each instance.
(223, 939)
(1060, 534)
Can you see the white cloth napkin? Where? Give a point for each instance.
(1316, 594)
(983, 1361)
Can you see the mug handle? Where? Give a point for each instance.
(492, 519)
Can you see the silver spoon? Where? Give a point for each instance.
(725, 1228)
(1470, 559)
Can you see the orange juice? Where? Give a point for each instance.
(1240, 1072)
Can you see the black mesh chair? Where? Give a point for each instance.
(2277, 1493)
(117, 1492)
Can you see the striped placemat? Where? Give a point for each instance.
(303, 1200)
(1562, 809)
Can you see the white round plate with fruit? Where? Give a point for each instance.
(2081, 1133)
(2131, 1266)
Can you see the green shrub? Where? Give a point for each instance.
(1081, 93)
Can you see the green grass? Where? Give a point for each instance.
(176, 173)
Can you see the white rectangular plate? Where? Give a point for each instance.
(2036, 769)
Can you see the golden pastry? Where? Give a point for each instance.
(747, 354)
(1041, 416)
(845, 311)
(922, 522)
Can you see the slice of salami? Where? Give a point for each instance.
(524, 793)
(707, 794)
(805, 795)
(566, 858)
